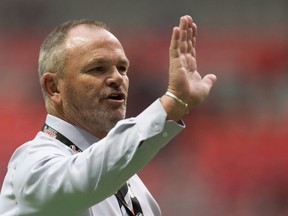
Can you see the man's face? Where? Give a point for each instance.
(94, 87)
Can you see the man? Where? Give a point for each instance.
(85, 159)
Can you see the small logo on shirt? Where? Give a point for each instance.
(51, 132)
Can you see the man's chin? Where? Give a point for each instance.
(113, 117)
(117, 114)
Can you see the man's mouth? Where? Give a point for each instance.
(116, 97)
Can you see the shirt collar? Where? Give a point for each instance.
(78, 136)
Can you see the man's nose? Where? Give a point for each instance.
(115, 78)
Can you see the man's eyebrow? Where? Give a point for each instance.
(99, 60)
(124, 61)
(104, 61)
(107, 61)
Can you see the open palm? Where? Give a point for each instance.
(184, 80)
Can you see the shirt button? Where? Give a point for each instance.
(164, 134)
(157, 128)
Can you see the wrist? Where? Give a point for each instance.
(178, 100)
(174, 108)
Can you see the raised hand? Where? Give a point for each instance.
(184, 80)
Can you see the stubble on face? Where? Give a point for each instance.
(92, 112)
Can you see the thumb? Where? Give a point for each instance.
(209, 80)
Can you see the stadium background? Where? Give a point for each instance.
(232, 158)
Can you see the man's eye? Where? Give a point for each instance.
(122, 69)
(97, 69)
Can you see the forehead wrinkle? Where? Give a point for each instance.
(104, 59)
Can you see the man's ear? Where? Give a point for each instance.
(49, 83)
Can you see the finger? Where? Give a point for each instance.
(190, 35)
(183, 23)
(189, 27)
(174, 44)
(192, 41)
(194, 30)
(183, 26)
